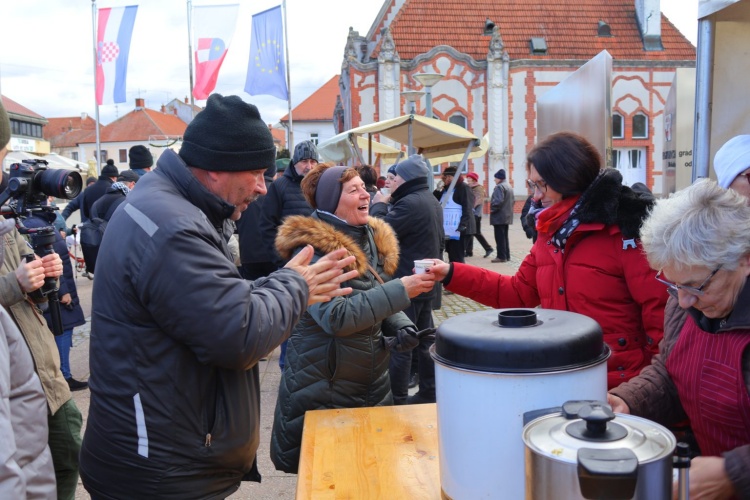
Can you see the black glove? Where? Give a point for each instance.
(406, 339)
(462, 228)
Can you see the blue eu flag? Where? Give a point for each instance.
(266, 70)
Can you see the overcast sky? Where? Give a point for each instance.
(46, 51)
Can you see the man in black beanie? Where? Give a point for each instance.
(141, 159)
(177, 332)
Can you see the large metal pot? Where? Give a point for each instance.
(585, 451)
(490, 368)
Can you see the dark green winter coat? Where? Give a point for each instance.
(335, 357)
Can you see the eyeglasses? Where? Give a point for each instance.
(689, 289)
(540, 186)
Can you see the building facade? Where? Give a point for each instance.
(498, 57)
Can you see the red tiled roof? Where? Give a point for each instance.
(140, 124)
(72, 138)
(319, 106)
(568, 26)
(279, 136)
(13, 107)
(58, 126)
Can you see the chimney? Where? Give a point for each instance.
(648, 16)
(140, 103)
(186, 100)
(84, 116)
(163, 108)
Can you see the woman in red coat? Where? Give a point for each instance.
(587, 259)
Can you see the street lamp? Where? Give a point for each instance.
(428, 80)
(412, 96)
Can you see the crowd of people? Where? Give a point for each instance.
(324, 266)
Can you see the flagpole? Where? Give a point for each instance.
(98, 149)
(190, 54)
(290, 145)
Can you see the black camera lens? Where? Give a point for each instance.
(59, 183)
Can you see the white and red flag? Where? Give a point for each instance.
(114, 30)
(213, 30)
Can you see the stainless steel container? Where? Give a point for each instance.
(586, 451)
(490, 368)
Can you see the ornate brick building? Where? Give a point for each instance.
(497, 57)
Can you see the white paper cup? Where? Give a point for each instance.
(385, 191)
(421, 266)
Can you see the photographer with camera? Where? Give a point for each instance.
(20, 282)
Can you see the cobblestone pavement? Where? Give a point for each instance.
(278, 484)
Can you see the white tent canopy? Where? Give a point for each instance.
(340, 149)
(53, 161)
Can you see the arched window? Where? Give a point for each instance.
(618, 126)
(640, 126)
(459, 120)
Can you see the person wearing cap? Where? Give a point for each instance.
(588, 258)
(140, 160)
(105, 206)
(96, 190)
(472, 179)
(501, 215)
(417, 218)
(177, 332)
(338, 353)
(732, 165)
(285, 198)
(21, 278)
(458, 215)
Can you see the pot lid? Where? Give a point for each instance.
(593, 425)
(520, 341)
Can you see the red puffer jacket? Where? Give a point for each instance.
(600, 275)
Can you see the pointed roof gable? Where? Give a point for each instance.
(569, 28)
(140, 124)
(319, 106)
(13, 108)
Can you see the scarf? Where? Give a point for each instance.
(552, 218)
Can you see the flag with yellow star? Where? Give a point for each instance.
(266, 70)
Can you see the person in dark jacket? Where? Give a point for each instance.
(472, 179)
(105, 206)
(99, 188)
(417, 218)
(75, 203)
(501, 215)
(177, 332)
(285, 198)
(70, 308)
(458, 215)
(697, 238)
(337, 354)
(255, 259)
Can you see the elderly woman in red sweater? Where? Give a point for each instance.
(587, 258)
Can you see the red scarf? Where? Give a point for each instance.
(552, 218)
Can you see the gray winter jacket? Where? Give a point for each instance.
(25, 461)
(335, 357)
(176, 336)
(501, 205)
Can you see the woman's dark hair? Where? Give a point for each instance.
(567, 162)
(368, 174)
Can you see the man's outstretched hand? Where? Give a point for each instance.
(323, 278)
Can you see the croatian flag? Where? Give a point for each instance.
(114, 30)
(214, 28)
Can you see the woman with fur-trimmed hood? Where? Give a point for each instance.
(337, 355)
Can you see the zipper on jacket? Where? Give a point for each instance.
(208, 440)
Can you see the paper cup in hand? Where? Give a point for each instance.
(421, 266)
(385, 191)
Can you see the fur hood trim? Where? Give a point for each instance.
(608, 201)
(298, 231)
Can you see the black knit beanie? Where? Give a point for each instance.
(305, 150)
(140, 157)
(228, 136)
(328, 190)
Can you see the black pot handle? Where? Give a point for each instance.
(607, 474)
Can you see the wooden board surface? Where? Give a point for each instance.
(369, 453)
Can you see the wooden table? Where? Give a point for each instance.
(367, 453)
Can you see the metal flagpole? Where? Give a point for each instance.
(290, 145)
(98, 150)
(190, 54)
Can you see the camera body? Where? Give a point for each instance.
(32, 181)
